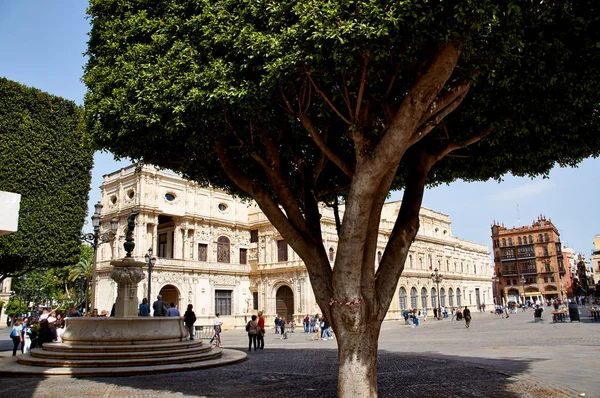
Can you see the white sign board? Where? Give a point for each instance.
(9, 212)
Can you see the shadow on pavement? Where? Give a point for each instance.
(306, 373)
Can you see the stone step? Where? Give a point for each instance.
(9, 367)
(28, 359)
(73, 354)
(69, 347)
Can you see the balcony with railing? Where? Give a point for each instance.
(510, 271)
(547, 270)
(507, 257)
(528, 271)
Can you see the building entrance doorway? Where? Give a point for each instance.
(170, 294)
(477, 298)
(285, 303)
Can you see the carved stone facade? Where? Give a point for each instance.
(222, 255)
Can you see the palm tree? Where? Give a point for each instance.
(82, 269)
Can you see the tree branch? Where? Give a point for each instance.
(454, 146)
(314, 134)
(361, 90)
(444, 100)
(322, 94)
(431, 124)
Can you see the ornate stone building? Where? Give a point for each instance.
(222, 255)
(529, 263)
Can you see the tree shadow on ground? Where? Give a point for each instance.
(304, 373)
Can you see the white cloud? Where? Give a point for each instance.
(531, 189)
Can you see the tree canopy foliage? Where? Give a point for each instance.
(43, 159)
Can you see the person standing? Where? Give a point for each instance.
(276, 324)
(261, 332)
(144, 309)
(173, 311)
(467, 315)
(188, 319)
(159, 307)
(252, 329)
(16, 335)
(217, 330)
(282, 328)
(306, 323)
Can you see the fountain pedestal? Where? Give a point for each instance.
(127, 273)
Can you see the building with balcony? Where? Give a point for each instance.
(529, 263)
(223, 255)
(595, 263)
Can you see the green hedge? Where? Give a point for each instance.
(42, 158)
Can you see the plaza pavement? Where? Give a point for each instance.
(495, 357)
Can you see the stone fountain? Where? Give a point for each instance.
(124, 344)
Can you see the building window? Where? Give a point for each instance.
(462, 267)
(202, 251)
(540, 238)
(162, 245)
(547, 266)
(282, 251)
(243, 256)
(402, 298)
(503, 242)
(447, 265)
(475, 269)
(410, 261)
(413, 298)
(170, 197)
(510, 243)
(424, 298)
(255, 300)
(546, 238)
(545, 248)
(433, 298)
(519, 240)
(331, 254)
(430, 262)
(254, 236)
(223, 302)
(530, 239)
(458, 303)
(443, 297)
(451, 297)
(222, 206)
(223, 255)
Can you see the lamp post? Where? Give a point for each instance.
(95, 239)
(495, 279)
(523, 280)
(436, 277)
(151, 261)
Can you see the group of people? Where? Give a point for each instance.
(34, 331)
(256, 331)
(412, 316)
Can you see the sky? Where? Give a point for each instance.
(42, 45)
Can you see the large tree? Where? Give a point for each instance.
(296, 103)
(42, 157)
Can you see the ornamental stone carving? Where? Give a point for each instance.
(127, 275)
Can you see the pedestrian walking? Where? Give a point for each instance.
(173, 311)
(159, 306)
(188, 319)
(282, 328)
(467, 315)
(16, 334)
(144, 308)
(260, 337)
(252, 329)
(216, 337)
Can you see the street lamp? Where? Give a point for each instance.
(523, 280)
(151, 261)
(95, 239)
(436, 277)
(496, 279)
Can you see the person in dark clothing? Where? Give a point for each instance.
(47, 333)
(467, 315)
(144, 308)
(189, 318)
(160, 307)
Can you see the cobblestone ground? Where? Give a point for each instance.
(494, 358)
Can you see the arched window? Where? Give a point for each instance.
(378, 257)
(450, 297)
(545, 248)
(540, 238)
(410, 261)
(458, 297)
(475, 269)
(430, 262)
(443, 296)
(433, 298)
(530, 239)
(546, 238)
(413, 298)
(402, 298)
(424, 298)
(510, 241)
(447, 265)
(520, 241)
(503, 242)
(223, 249)
(524, 240)
(331, 254)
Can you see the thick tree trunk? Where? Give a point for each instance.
(357, 357)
